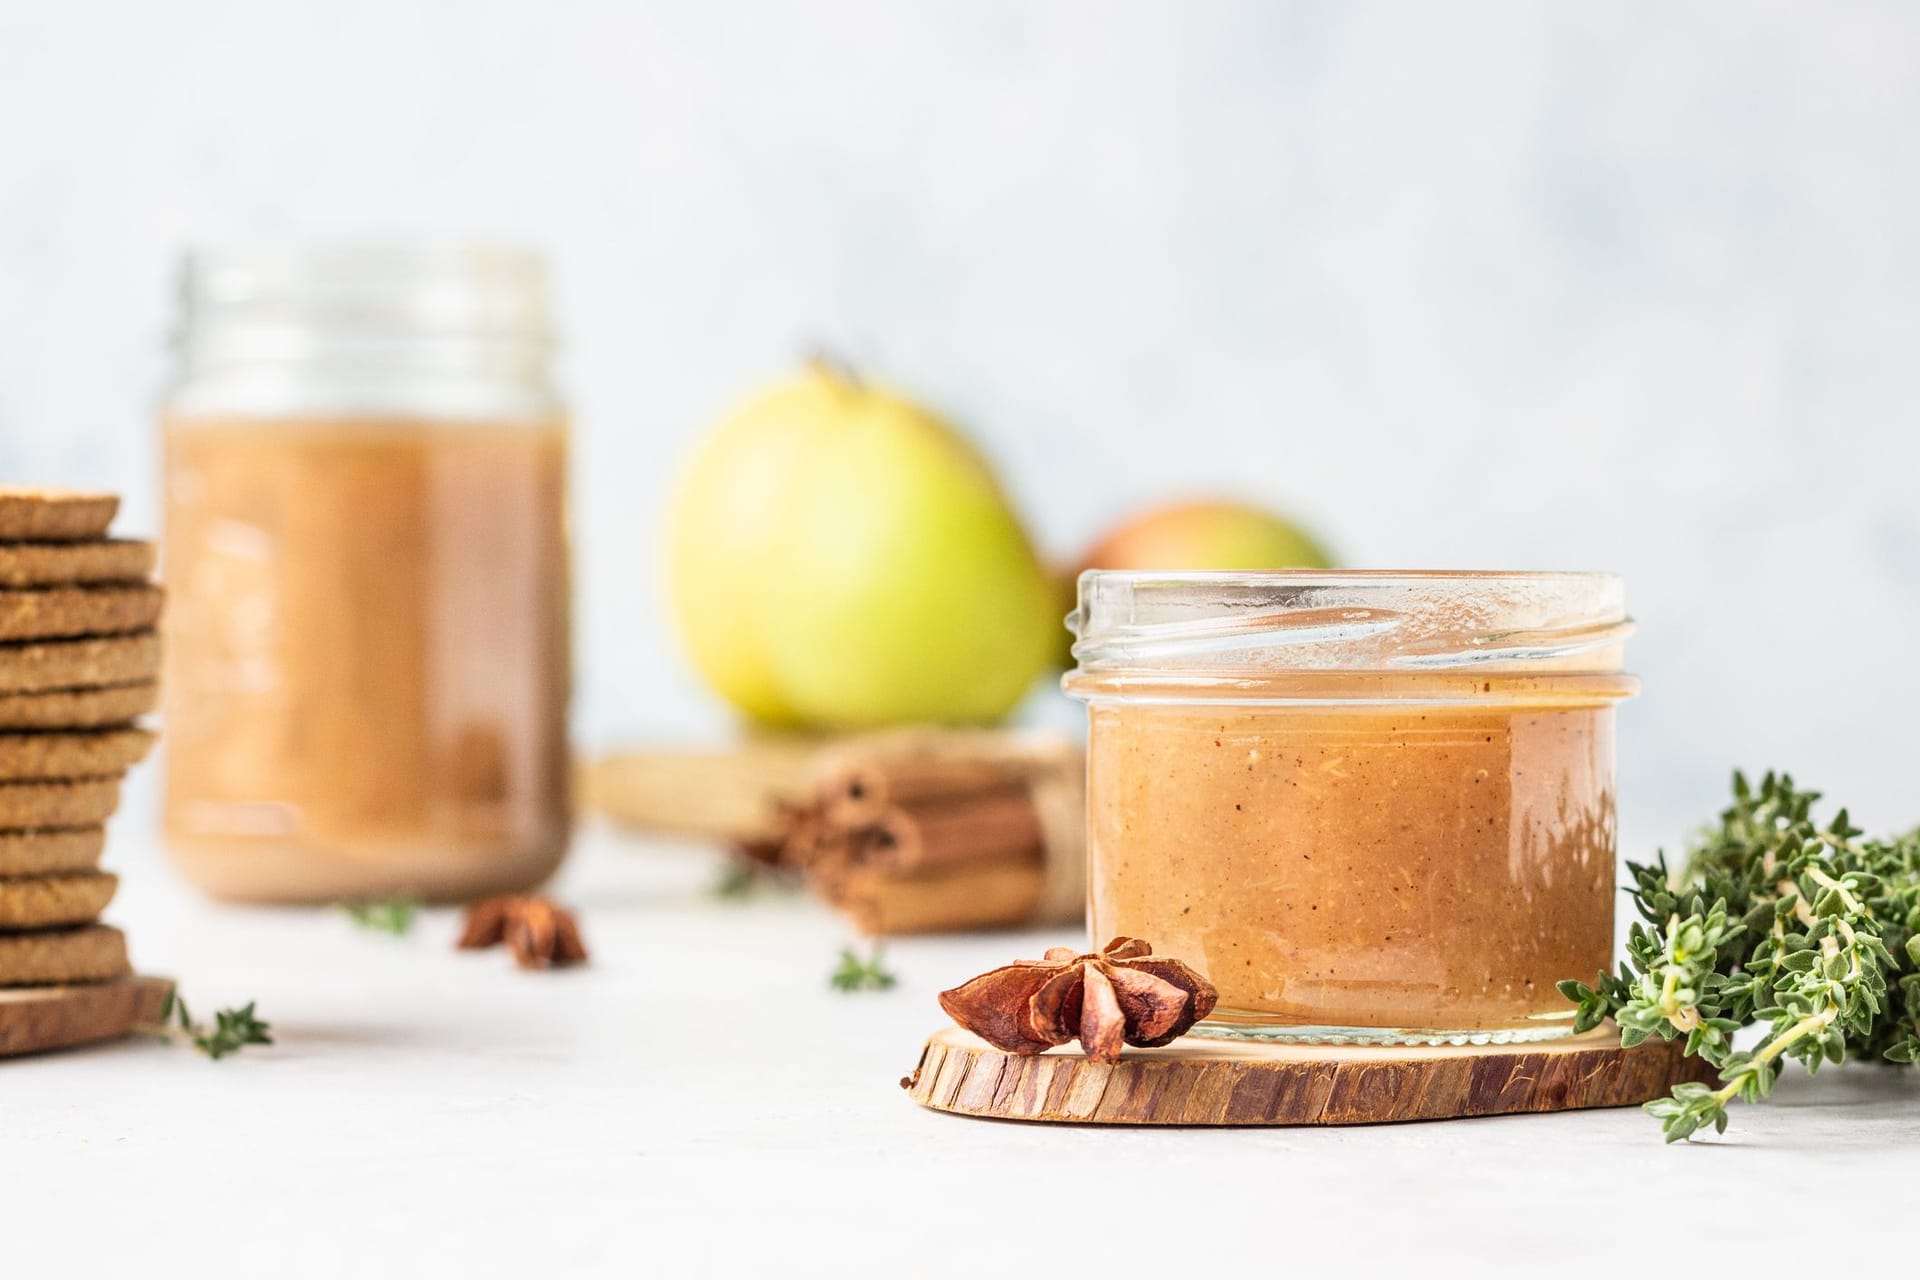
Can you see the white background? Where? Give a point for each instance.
(1631, 286)
(1627, 286)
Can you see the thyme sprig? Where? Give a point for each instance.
(855, 973)
(1811, 932)
(736, 881)
(384, 915)
(232, 1029)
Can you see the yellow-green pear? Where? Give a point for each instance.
(840, 558)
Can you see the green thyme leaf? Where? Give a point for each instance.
(384, 915)
(1811, 933)
(736, 880)
(232, 1030)
(857, 974)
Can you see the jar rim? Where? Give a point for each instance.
(1209, 625)
(1341, 575)
(364, 290)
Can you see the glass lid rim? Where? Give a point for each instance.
(1349, 619)
(1325, 577)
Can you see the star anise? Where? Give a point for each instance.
(541, 933)
(1122, 993)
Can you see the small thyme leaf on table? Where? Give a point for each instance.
(736, 880)
(384, 915)
(232, 1030)
(1773, 921)
(750, 867)
(857, 974)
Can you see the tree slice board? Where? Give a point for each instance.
(36, 1019)
(1200, 1081)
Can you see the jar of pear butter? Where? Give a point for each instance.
(1372, 807)
(367, 651)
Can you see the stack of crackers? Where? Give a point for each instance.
(79, 663)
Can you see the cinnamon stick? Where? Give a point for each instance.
(980, 896)
(858, 792)
(995, 826)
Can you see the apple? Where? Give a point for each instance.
(1220, 535)
(839, 557)
(1208, 534)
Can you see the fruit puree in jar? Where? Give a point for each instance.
(1406, 866)
(1349, 844)
(367, 662)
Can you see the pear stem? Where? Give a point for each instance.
(831, 364)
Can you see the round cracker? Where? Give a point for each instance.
(63, 564)
(54, 515)
(51, 851)
(84, 753)
(89, 953)
(79, 664)
(78, 708)
(41, 902)
(80, 802)
(52, 613)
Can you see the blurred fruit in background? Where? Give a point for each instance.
(1213, 534)
(839, 557)
(1206, 535)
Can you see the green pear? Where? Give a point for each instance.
(840, 558)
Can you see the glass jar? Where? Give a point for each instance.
(367, 663)
(1371, 807)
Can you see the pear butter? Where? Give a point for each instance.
(1367, 807)
(367, 658)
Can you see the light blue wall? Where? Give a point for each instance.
(1630, 286)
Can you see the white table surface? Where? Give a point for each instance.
(699, 1102)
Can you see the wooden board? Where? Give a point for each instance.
(36, 1019)
(732, 795)
(1223, 1082)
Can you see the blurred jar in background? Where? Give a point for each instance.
(367, 667)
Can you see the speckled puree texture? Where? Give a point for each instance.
(1407, 866)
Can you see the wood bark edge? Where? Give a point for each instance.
(38, 1019)
(1255, 1085)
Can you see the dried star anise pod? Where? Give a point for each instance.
(1122, 993)
(541, 933)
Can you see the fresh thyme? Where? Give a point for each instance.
(383, 915)
(737, 880)
(750, 871)
(232, 1030)
(1812, 932)
(857, 974)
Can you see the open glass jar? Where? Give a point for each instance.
(367, 662)
(1371, 807)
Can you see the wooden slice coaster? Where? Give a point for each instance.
(36, 1019)
(1223, 1082)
